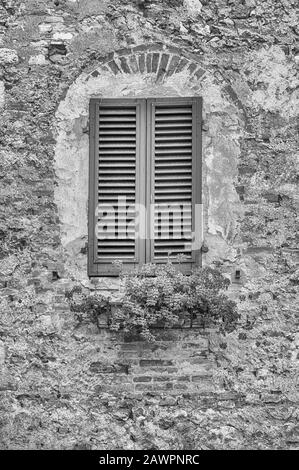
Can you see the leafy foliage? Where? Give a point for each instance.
(163, 296)
(88, 307)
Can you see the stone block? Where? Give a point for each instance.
(199, 73)
(133, 63)
(155, 61)
(149, 63)
(124, 65)
(141, 63)
(160, 378)
(163, 66)
(180, 386)
(182, 64)
(155, 362)
(103, 368)
(124, 52)
(113, 67)
(142, 378)
(8, 56)
(173, 65)
(163, 386)
(271, 196)
(143, 387)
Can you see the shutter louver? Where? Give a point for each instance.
(117, 177)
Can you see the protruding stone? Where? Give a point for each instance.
(45, 28)
(8, 265)
(193, 7)
(8, 56)
(39, 59)
(60, 36)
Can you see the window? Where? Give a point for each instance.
(145, 182)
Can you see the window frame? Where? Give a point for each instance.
(144, 188)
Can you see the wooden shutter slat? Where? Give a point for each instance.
(169, 145)
(127, 164)
(120, 126)
(118, 111)
(109, 170)
(162, 209)
(165, 132)
(164, 182)
(175, 164)
(173, 120)
(170, 139)
(124, 146)
(172, 110)
(109, 133)
(172, 190)
(112, 200)
(120, 184)
(107, 137)
(168, 126)
(173, 178)
(165, 171)
(116, 118)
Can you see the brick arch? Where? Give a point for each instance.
(156, 59)
(162, 62)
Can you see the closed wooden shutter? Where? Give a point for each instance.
(146, 152)
(174, 143)
(117, 154)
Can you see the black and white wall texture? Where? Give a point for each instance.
(70, 385)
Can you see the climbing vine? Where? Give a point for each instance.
(162, 296)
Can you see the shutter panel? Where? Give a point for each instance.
(176, 179)
(117, 162)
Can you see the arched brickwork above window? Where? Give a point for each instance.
(162, 62)
(156, 59)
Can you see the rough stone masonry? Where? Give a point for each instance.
(65, 385)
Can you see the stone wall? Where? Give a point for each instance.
(66, 384)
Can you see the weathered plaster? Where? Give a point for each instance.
(279, 78)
